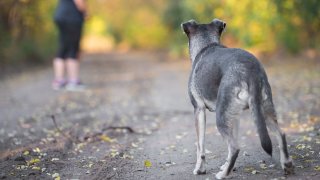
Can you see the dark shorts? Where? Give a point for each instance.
(69, 39)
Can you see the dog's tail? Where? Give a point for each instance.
(255, 105)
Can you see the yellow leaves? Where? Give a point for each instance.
(306, 138)
(26, 153)
(250, 170)
(36, 168)
(107, 138)
(33, 161)
(90, 165)
(56, 176)
(96, 25)
(302, 127)
(147, 164)
(37, 150)
(301, 146)
(317, 168)
(309, 160)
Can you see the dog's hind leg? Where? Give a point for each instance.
(200, 122)
(227, 126)
(271, 120)
(235, 135)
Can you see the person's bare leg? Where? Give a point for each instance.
(73, 70)
(74, 83)
(58, 68)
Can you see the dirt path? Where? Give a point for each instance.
(145, 93)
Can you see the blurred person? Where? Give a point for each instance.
(69, 17)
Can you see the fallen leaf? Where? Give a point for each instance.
(113, 154)
(248, 169)
(26, 153)
(33, 161)
(147, 163)
(36, 168)
(309, 160)
(263, 166)
(56, 176)
(55, 159)
(37, 150)
(106, 138)
(90, 165)
(317, 168)
(134, 145)
(301, 146)
(306, 138)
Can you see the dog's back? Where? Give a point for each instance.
(217, 66)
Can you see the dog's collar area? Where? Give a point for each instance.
(203, 50)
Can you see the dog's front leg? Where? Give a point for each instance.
(200, 122)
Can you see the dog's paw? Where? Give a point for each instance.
(200, 166)
(199, 172)
(221, 175)
(288, 168)
(224, 166)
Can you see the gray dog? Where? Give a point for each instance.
(227, 81)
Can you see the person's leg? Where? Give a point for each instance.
(58, 62)
(73, 70)
(58, 68)
(73, 61)
(74, 83)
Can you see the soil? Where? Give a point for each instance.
(135, 121)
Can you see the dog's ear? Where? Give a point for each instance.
(189, 26)
(219, 24)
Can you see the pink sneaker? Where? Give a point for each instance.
(58, 84)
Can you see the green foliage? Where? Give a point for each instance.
(299, 22)
(28, 33)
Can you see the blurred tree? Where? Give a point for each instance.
(27, 31)
(300, 23)
(173, 15)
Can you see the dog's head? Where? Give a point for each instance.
(204, 32)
